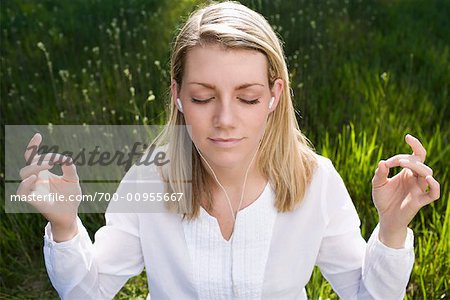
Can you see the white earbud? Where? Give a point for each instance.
(180, 106)
(271, 102)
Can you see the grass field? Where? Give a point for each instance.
(364, 73)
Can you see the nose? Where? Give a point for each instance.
(224, 114)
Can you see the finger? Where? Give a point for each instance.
(69, 171)
(381, 175)
(51, 156)
(417, 167)
(416, 146)
(435, 191)
(34, 168)
(423, 184)
(26, 185)
(32, 147)
(394, 161)
(67, 166)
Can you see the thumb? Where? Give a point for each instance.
(381, 175)
(26, 186)
(69, 171)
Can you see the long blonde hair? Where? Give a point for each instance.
(286, 156)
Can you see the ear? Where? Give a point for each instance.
(276, 92)
(174, 93)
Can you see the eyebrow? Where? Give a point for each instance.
(241, 87)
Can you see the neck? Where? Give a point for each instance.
(227, 178)
(236, 190)
(232, 178)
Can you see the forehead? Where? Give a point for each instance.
(217, 66)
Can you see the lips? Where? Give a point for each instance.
(225, 142)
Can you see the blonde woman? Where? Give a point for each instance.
(261, 208)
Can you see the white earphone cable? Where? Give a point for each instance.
(234, 215)
(218, 182)
(233, 285)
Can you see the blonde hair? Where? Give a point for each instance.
(286, 156)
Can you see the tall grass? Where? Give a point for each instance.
(364, 73)
(355, 156)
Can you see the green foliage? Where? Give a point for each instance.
(355, 156)
(363, 73)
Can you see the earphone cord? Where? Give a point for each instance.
(231, 207)
(221, 186)
(234, 215)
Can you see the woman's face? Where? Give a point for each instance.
(225, 96)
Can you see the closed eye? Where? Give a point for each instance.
(203, 101)
(200, 101)
(254, 101)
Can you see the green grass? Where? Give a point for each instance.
(364, 73)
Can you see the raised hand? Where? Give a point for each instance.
(38, 180)
(398, 199)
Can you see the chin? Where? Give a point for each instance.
(222, 158)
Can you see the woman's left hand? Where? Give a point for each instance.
(398, 199)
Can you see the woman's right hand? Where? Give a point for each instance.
(38, 180)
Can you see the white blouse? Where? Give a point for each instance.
(214, 259)
(272, 257)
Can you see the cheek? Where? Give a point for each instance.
(257, 117)
(197, 125)
(195, 118)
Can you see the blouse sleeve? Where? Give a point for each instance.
(80, 269)
(356, 269)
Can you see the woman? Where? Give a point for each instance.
(261, 208)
